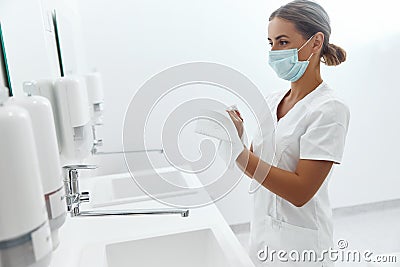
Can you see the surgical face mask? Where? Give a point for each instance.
(286, 63)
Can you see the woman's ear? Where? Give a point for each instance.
(318, 42)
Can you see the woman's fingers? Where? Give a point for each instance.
(237, 121)
(235, 115)
(238, 113)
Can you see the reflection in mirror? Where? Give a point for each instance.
(4, 74)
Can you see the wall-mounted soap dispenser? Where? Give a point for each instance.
(74, 120)
(95, 91)
(69, 99)
(25, 238)
(40, 110)
(45, 88)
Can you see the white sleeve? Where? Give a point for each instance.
(325, 135)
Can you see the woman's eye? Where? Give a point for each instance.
(270, 44)
(283, 42)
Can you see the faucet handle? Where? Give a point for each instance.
(98, 142)
(79, 167)
(84, 197)
(71, 171)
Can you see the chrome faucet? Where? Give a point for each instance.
(74, 198)
(95, 152)
(96, 141)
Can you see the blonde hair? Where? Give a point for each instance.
(310, 18)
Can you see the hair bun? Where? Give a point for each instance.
(334, 55)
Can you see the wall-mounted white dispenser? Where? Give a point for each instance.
(45, 88)
(95, 91)
(69, 100)
(74, 120)
(40, 110)
(25, 238)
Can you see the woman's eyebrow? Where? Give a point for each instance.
(279, 37)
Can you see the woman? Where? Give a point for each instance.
(291, 209)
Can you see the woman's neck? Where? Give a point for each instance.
(307, 83)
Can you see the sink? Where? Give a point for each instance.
(203, 239)
(198, 248)
(122, 188)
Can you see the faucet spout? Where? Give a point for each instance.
(127, 151)
(182, 212)
(74, 198)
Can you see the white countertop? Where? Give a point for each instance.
(83, 239)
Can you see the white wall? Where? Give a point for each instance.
(130, 41)
(368, 82)
(138, 39)
(370, 32)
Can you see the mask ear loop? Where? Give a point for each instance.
(305, 44)
(308, 59)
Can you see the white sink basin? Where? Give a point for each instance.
(122, 188)
(202, 239)
(198, 248)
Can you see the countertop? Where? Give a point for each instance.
(83, 239)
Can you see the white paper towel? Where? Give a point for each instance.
(219, 125)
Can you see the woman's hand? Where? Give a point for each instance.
(237, 120)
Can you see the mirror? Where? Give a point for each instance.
(25, 44)
(4, 75)
(58, 44)
(65, 48)
(69, 43)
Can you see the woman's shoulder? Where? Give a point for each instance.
(330, 98)
(330, 105)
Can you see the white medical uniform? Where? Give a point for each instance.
(314, 128)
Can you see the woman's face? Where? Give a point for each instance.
(282, 34)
